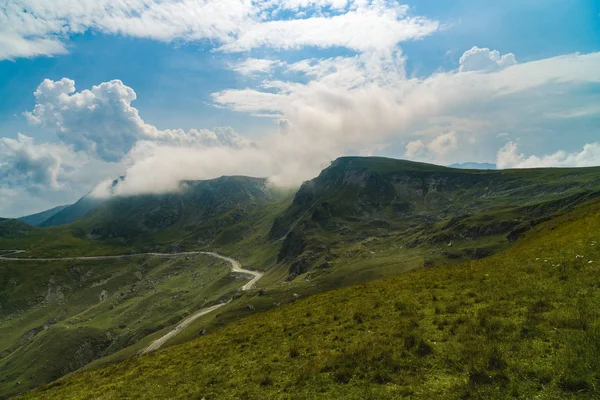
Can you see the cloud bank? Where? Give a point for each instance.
(340, 105)
(32, 27)
(510, 157)
(360, 102)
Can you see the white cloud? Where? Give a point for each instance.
(443, 144)
(103, 122)
(15, 46)
(436, 151)
(484, 59)
(100, 120)
(356, 104)
(510, 157)
(376, 26)
(40, 27)
(22, 163)
(161, 20)
(253, 66)
(35, 177)
(350, 101)
(304, 4)
(415, 150)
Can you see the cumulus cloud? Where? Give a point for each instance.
(25, 164)
(357, 104)
(100, 120)
(103, 122)
(353, 102)
(435, 151)
(37, 176)
(484, 59)
(22, 163)
(32, 27)
(509, 156)
(415, 149)
(443, 143)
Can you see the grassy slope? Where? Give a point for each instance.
(364, 218)
(53, 321)
(523, 323)
(358, 249)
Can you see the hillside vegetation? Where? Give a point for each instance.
(435, 213)
(524, 323)
(58, 316)
(361, 219)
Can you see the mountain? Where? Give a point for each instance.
(361, 219)
(460, 214)
(13, 228)
(200, 209)
(39, 218)
(473, 165)
(78, 210)
(73, 212)
(468, 331)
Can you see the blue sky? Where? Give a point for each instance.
(278, 88)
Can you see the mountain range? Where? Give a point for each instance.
(360, 220)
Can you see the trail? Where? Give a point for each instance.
(236, 266)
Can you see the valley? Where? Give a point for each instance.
(144, 276)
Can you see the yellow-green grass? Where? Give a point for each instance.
(523, 323)
(54, 322)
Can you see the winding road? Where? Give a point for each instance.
(236, 267)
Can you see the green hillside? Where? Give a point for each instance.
(11, 229)
(360, 220)
(438, 214)
(57, 316)
(204, 214)
(524, 323)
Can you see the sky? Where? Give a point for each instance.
(161, 91)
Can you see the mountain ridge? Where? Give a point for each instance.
(38, 219)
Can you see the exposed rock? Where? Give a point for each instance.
(103, 296)
(292, 246)
(54, 294)
(299, 266)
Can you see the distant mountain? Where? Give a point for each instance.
(473, 165)
(39, 218)
(76, 211)
(73, 212)
(200, 209)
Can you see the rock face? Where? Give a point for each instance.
(293, 246)
(103, 296)
(362, 197)
(54, 294)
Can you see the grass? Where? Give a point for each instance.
(54, 321)
(524, 323)
(362, 219)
